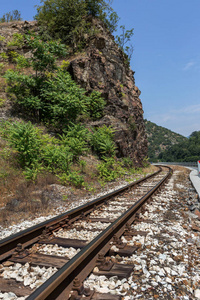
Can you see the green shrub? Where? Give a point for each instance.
(76, 138)
(21, 61)
(32, 172)
(65, 64)
(96, 105)
(62, 100)
(44, 54)
(56, 158)
(4, 55)
(109, 169)
(74, 178)
(127, 162)
(50, 95)
(2, 102)
(102, 141)
(25, 139)
(17, 40)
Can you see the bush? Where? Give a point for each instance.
(102, 141)
(76, 138)
(74, 178)
(17, 40)
(110, 169)
(62, 99)
(36, 151)
(25, 139)
(96, 105)
(56, 158)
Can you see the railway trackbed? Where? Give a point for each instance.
(51, 260)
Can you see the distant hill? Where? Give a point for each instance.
(185, 151)
(160, 139)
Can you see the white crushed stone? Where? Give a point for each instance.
(57, 250)
(91, 225)
(29, 275)
(79, 235)
(161, 263)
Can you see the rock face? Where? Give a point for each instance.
(103, 67)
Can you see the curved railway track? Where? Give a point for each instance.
(94, 233)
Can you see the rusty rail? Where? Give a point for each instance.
(31, 235)
(60, 284)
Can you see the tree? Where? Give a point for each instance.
(123, 39)
(15, 15)
(62, 19)
(103, 10)
(68, 19)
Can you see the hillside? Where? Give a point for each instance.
(185, 151)
(160, 139)
(70, 113)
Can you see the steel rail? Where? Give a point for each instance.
(57, 286)
(31, 235)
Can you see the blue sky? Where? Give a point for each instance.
(166, 57)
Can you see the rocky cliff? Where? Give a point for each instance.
(103, 67)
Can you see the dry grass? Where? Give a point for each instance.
(23, 199)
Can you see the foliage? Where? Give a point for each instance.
(123, 39)
(2, 102)
(24, 138)
(73, 177)
(62, 19)
(102, 141)
(95, 105)
(4, 55)
(62, 99)
(44, 54)
(68, 19)
(56, 157)
(160, 139)
(36, 151)
(185, 151)
(127, 162)
(109, 169)
(76, 139)
(21, 62)
(2, 68)
(15, 15)
(17, 40)
(65, 64)
(50, 94)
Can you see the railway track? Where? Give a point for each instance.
(76, 243)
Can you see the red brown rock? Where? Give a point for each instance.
(103, 67)
(197, 213)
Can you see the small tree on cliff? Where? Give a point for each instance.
(15, 15)
(123, 39)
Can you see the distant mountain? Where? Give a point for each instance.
(160, 139)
